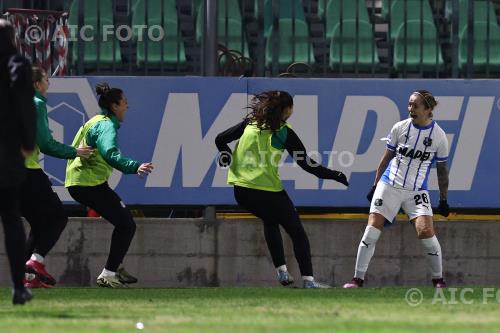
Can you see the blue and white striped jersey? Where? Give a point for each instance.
(416, 148)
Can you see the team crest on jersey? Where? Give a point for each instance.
(427, 142)
(379, 202)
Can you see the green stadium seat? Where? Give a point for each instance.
(481, 45)
(351, 9)
(291, 49)
(93, 53)
(288, 9)
(229, 26)
(480, 11)
(356, 52)
(416, 58)
(173, 52)
(415, 10)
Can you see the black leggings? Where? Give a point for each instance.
(275, 209)
(15, 237)
(43, 210)
(108, 204)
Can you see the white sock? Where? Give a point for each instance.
(29, 276)
(366, 249)
(434, 257)
(307, 278)
(105, 272)
(37, 257)
(281, 268)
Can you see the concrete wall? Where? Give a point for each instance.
(194, 252)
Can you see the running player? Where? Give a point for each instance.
(40, 205)
(401, 182)
(263, 136)
(86, 180)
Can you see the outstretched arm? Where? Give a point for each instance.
(296, 149)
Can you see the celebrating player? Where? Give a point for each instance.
(401, 182)
(263, 136)
(86, 180)
(40, 205)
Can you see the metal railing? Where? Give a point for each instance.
(330, 38)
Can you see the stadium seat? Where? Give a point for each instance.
(287, 9)
(293, 47)
(421, 49)
(230, 30)
(100, 49)
(351, 10)
(173, 51)
(482, 48)
(480, 12)
(357, 52)
(415, 10)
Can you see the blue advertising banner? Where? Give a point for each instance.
(173, 123)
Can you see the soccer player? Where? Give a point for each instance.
(40, 205)
(17, 140)
(86, 179)
(401, 182)
(263, 136)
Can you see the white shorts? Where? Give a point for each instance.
(387, 200)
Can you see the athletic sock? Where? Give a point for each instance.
(366, 249)
(106, 273)
(36, 257)
(281, 268)
(434, 257)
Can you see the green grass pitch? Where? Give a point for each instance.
(251, 310)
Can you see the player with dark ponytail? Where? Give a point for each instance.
(40, 205)
(86, 180)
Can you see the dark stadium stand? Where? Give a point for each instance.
(168, 52)
(102, 51)
(335, 38)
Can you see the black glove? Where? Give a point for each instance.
(340, 177)
(224, 159)
(370, 194)
(443, 208)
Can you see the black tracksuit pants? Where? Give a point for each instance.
(108, 204)
(15, 238)
(275, 209)
(43, 210)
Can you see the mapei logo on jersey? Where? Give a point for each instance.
(416, 154)
(427, 142)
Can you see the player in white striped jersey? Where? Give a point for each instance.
(401, 182)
